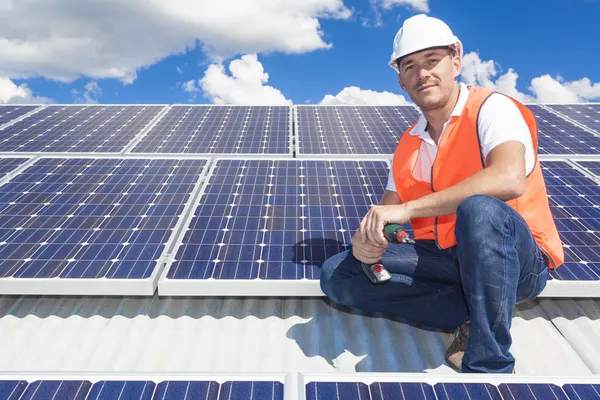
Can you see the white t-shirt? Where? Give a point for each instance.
(499, 121)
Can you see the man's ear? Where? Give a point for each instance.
(457, 66)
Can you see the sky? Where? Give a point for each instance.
(257, 52)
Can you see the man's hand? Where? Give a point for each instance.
(366, 252)
(371, 227)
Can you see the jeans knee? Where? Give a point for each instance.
(329, 285)
(476, 212)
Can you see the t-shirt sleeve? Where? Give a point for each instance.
(390, 184)
(501, 121)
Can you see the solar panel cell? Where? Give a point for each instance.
(527, 391)
(556, 135)
(402, 391)
(10, 113)
(219, 129)
(116, 390)
(352, 130)
(8, 165)
(575, 204)
(42, 390)
(459, 391)
(92, 218)
(12, 390)
(77, 129)
(585, 114)
(255, 226)
(580, 391)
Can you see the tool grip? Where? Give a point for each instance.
(395, 233)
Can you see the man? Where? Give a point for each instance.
(467, 178)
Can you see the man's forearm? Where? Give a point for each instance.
(445, 202)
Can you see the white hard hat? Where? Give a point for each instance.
(419, 33)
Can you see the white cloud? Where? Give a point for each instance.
(245, 85)
(90, 95)
(544, 89)
(191, 88)
(10, 93)
(358, 96)
(66, 39)
(419, 5)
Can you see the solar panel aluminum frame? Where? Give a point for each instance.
(336, 157)
(7, 177)
(22, 117)
(289, 154)
(115, 154)
(561, 115)
(290, 391)
(102, 286)
(231, 287)
(146, 129)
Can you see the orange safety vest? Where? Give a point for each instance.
(459, 156)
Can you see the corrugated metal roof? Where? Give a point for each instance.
(267, 335)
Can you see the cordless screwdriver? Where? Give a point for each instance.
(394, 233)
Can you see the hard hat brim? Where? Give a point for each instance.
(457, 45)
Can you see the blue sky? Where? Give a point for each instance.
(551, 46)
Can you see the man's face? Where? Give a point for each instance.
(428, 77)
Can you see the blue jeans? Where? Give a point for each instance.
(495, 264)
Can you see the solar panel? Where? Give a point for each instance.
(352, 130)
(585, 114)
(575, 205)
(449, 389)
(558, 136)
(10, 113)
(271, 221)
(220, 129)
(97, 129)
(91, 226)
(140, 390)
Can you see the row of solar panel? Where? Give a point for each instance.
(256, 130)
(508, 389)
(244, 227)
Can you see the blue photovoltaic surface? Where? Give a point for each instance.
(8, 164)
(92, 218)
(352, 130)
(276, 219)
(140, 390)
(529, 391)
(77, 129)
(583, 392)
(228, 390)
(12, 390)
(9, 113)
(455, 391)
(585, 114)
(220, 129)
(592, 166)
(448, 391)
(556, 135)
(575, 204)
(337, 390)
(43, 390)
(114, 390)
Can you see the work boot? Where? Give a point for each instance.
(457, 348)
